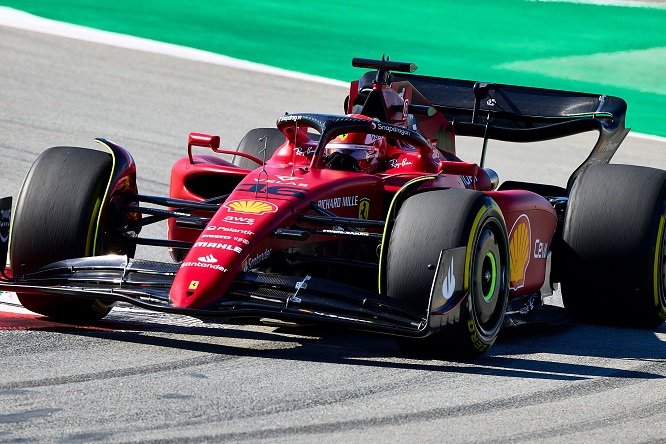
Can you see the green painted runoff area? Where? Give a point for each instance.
(610, 50)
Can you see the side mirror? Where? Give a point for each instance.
(204, 140)
(470, 170)
(459, 168)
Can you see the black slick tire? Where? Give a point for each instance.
(56, 218)
(430, 222)
(615, 246)
(253, 143)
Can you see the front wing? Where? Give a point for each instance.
(304, 300)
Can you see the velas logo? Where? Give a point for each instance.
(256, 207)
(520, 241)
(210, 259)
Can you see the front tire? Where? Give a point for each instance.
(614, 262)
(444, 219)
(57, 217)
(252, 144)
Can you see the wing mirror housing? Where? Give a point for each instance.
(203, 140)
(483, 179)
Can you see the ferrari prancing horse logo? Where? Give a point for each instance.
(364, 208)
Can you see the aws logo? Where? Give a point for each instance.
(238, 220)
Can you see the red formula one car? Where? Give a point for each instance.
(367, 220)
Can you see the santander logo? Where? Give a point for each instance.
(210, 259)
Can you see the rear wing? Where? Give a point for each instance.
(521, 114)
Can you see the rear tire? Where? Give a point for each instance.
(56, 218)
(615, 246)
(251, 144)
(430, 222)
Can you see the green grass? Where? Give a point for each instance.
(599, 49)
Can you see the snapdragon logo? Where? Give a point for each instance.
(393, 129)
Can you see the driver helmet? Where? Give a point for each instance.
(367, 150)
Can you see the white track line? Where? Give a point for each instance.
(9, 303)
(647, 137)
(622, 3)
(22, 20)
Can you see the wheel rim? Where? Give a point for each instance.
(489, 276)
(488, 285)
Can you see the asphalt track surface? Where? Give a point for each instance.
(145, 377)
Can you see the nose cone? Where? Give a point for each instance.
(201, 279)
(237, 233)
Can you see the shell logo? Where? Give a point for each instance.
(251, 207)
(520, 241)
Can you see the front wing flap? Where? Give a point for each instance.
(300, 299)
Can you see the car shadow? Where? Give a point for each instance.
(538, 351)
